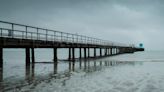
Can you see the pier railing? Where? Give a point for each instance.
(19, 31)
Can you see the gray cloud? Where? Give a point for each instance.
(126, 21)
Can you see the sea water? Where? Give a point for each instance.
(137, 72)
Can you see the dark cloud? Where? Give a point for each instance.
(126, 21)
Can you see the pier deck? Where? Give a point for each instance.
(14, 35)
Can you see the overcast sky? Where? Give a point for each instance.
(125, 21)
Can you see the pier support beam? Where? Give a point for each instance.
(85, 53)
(88, 52)
(108, 51)
(1, 57)
(94, 52)
(1, 65)
(27, 56)
(111, 51)
(80, 53)
(69, 54)
(73, 54)
(105, 51)
(118, 51)
(1, 75)
(100, 52)
(55, 54)
(33, 55)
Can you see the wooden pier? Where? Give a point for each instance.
(14, 35)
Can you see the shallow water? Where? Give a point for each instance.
(138, 72)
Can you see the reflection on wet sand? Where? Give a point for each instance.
(84, 65)
(55, 67)
(1, 74)
(30, 73)
(1, 77)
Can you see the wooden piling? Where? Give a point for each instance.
(1, 65)
(1, 57)
(85, 53)
(69, 54)
(94, 52)
(88, 52)
(108, 52)
(111, 53)
(27, 56)
(33, 55)
(55, 54)
(105, 51)
(80, 53)
(73, 54)
(100, 52)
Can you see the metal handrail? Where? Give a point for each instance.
(51, 35)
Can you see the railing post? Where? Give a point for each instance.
(77, 38)
(61, 36)
(54, 36)
(37, 34)
(26, 32)
(67, 40)
(73, 38)
(81, 39)
(12, 32)
(46, 35)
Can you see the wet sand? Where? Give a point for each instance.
(100, 75)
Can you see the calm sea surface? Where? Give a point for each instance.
(138, 72)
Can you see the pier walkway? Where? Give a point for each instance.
(14, 35)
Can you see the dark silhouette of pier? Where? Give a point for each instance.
(14, 35)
